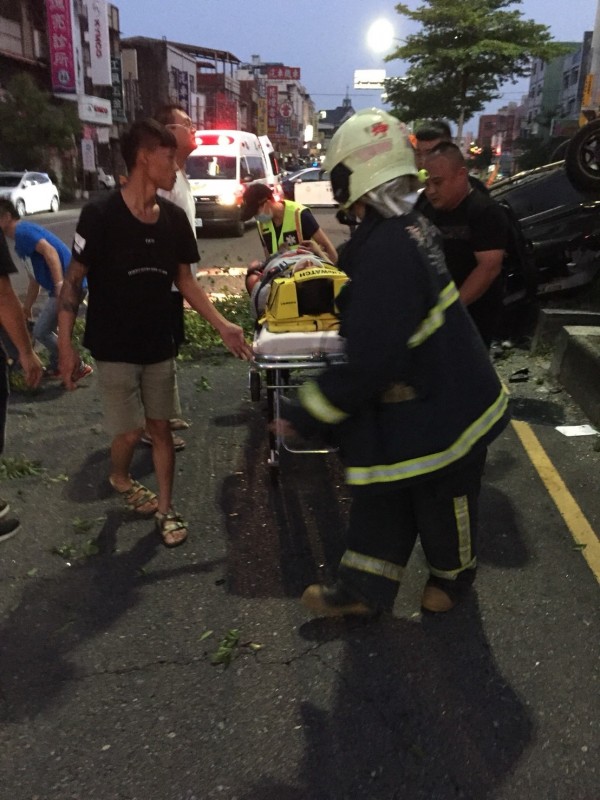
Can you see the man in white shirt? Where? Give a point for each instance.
(175, 118)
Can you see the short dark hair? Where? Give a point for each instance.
(450, 151)
(145, 133)
(433, 129)
(164, 113)
(8, 207)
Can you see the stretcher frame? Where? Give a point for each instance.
(277, 369)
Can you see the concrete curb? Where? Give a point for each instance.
(576, 365)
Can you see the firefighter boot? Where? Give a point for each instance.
(335, 601)
(441, 595)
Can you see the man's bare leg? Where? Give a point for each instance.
(121, 455)
(163, 456)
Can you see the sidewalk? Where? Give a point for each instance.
(107, 689)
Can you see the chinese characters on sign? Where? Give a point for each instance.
(272, 108)
(283, 73)
(118, 107)
(99, 42)
(60, 46)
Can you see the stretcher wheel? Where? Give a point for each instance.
(254, 386)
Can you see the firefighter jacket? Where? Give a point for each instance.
(418, 391)
(290, 234)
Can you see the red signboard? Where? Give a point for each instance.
(281, 73)
(60, 46)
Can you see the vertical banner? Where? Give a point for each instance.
(183, 90)
(272, 108)
(60, 46)
(261, 116)
(99, 42)
(117, 102)
(88, 156)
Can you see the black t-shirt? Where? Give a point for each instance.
(131, 266)
(7, 267)
(477, 224)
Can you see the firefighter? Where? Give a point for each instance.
(417, 402)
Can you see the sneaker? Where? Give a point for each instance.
(4, 508)
(8, 528)
(83, 371)
(51, 374)
(335, 601)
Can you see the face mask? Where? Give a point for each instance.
(263, 217)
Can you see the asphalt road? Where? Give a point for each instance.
(107, 689)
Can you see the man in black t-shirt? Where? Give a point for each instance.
(13, 321)
(475, 233)
(132, 246)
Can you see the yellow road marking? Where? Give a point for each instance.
(581, 530)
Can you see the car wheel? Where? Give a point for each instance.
(582, 159)
(20, 207)
(54, 204)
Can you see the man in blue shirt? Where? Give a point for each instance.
(49, 258)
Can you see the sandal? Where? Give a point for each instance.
(178, 442)
(178, 424)
(138, 498)
(172, 528)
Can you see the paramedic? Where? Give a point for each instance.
(282, 225)
(417, 401)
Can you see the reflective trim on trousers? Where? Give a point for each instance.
(373, 566)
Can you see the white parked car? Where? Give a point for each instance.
(105, 180)
(29, 191)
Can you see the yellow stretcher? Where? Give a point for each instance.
(296, 337)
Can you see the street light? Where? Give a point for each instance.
(380, 35)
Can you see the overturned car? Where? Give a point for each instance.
(557, 208)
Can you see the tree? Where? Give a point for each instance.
(33, 123)
(466, 50)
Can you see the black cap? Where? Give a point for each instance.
(254, 196)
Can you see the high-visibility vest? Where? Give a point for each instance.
(290, 234)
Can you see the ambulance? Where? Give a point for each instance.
(219, 169)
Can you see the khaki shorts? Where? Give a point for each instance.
(132, 393)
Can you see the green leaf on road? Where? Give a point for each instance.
(226, 651)
(205, 635)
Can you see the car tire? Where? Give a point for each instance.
(582, 159)
(20, 208)
(54, 204)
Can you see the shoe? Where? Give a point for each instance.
(178, 442)
(436, 599)
(51, 374)
(335, 601)
(83, 371)
(4, 508)
(8, 528)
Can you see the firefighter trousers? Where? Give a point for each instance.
(383, 529)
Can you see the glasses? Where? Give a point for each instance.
(189, 126)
